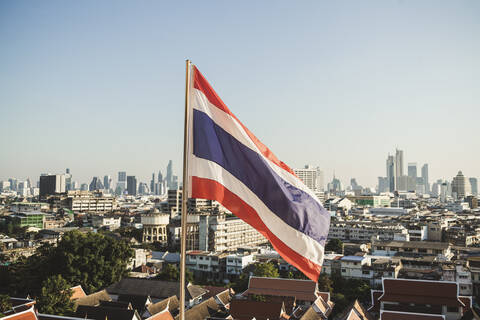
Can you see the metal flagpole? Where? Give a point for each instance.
(183, 239)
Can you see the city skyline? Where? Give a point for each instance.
(90, 90)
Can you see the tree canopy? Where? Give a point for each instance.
(91, 260)
(55, 297)
(335, 245)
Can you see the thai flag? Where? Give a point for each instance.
(227, 163)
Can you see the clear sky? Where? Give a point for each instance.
(98, 86)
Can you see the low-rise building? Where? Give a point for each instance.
(86, 201)
(235, 263)
(419, 299)
(109, 222)
(441, 250)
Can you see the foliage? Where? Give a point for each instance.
(258, 297)
(171, 273)
(325, 284)
(5, 303)
(266, 269)
(131, 232)
(335, 245)
(55, 296)
(91, 260)
(345, 291)
(13, 230)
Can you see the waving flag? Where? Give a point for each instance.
(227, 163)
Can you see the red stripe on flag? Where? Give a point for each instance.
(212, 190)
(200, 83)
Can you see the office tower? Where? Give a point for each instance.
(143, 188)
(84, 187)
(412, 170)
(68, 180)
(335, 186)
(51, 184)
(96, 184)
(132, 185)
(13, 184)
(311, 177)
(121, 183)
(175, 182)
(383, 185)
(391, 173)
(425, 178)
(443, 192)
(75, 185)
(169, 176)
(152, 184)
(459, 186)
(4, 186)
(473, 186)
(122, 176)
(107, 182)
(398, 163)
(160, 176)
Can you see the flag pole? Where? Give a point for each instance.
(183, 238)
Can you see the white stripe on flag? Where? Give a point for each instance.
(296, 240)
(231, 125)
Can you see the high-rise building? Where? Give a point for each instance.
(122, 176)
(107, 182)
(52, 184)
(152, 184)
(426, 183)
(383, 185)
(460, 188)
(169, 176)
(132, 185)
(96, 184)
(68, 180)
(412, 170)
(474, 186)
(311, 177)
(398, 163)
(391, 173)
(121, 183)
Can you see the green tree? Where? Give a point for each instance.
(325, 284)
(92, 260)
(171, 273)
(266, 269)
(341, 302)
(5, 304)
(335, 245)
(55, 297)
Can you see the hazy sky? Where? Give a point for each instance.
(98, 86)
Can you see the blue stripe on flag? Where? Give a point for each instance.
(294, 206)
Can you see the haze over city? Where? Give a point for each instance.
(99, 87)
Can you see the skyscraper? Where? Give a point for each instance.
(474, 186)
(107, 182)
(152, 183)
(51, 184)
(96, 184)
(312, 177)
(391, 173)
(425, 178)
(121, 183)
(122, 176)
(132, 185)
(398, 164)
(383, 185)
(169, 176)
(412, 170)
(459, 186)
